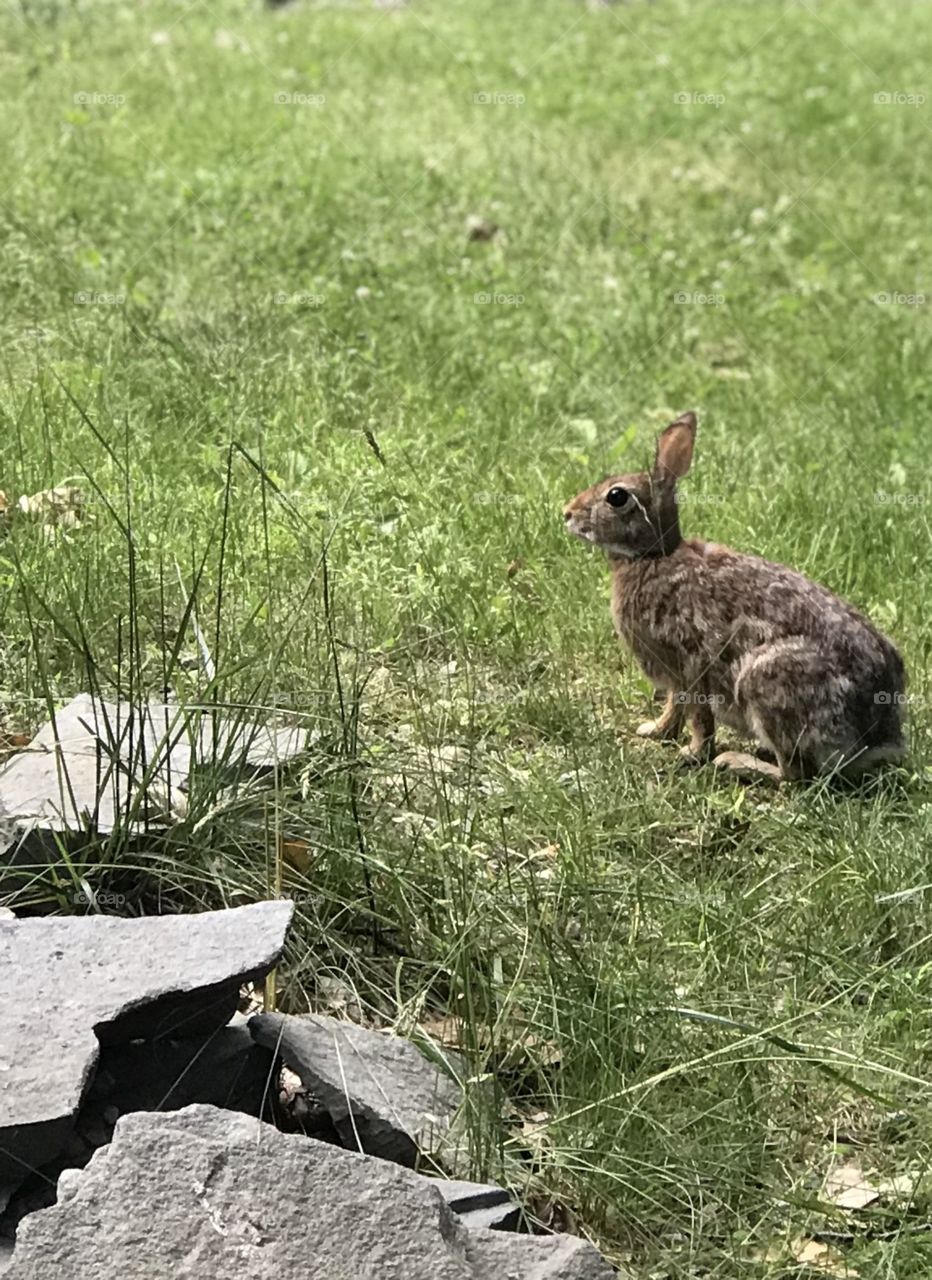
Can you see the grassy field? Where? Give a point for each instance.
(317, 416)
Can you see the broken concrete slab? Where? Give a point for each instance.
(384, 1097)
(227, 1069)
(67, 986)
(108, 765)
(481, 1204)
(206, 1193)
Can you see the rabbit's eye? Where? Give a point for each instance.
(617, 497)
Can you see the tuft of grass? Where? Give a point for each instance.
(325, 438)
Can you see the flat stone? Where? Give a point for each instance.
(107, 765)
(481, 1204)
(227, 1069)
(384, 1097)
(203, 1194)
(67, 986)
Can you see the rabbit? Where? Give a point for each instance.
(737, 640)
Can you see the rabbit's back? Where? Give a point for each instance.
(706, 607)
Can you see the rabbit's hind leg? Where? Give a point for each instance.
(794, 702)
(749, 768)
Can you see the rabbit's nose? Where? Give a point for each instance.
(567, 515)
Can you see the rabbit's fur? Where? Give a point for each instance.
(736, 639)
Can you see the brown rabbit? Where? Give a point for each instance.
(739, 640)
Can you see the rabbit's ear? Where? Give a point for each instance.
(675, 448)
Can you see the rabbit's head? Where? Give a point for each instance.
(634, 517)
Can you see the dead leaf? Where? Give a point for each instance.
(729, 352)
(446, 1031)
(62, 507)
(290, 1086)
(535, 1122)
(554, 1215)
(776, 1251)
(903, 1187)
(479, 228)
(251, 999)
(847, 1187)
(822, 1257)
(339, 998)
(547, 853)
(523, 1048)
(297, 853)
(531, 1049)
(533, 1133)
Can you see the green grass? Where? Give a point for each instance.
(358, 497)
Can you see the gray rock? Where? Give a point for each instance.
(108, 765)
(226, 1069)
(481, 1204)
(202, 1194)
(69, 985)
(383, 1095)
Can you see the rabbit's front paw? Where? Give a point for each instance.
(658, 730)
(698, 752)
